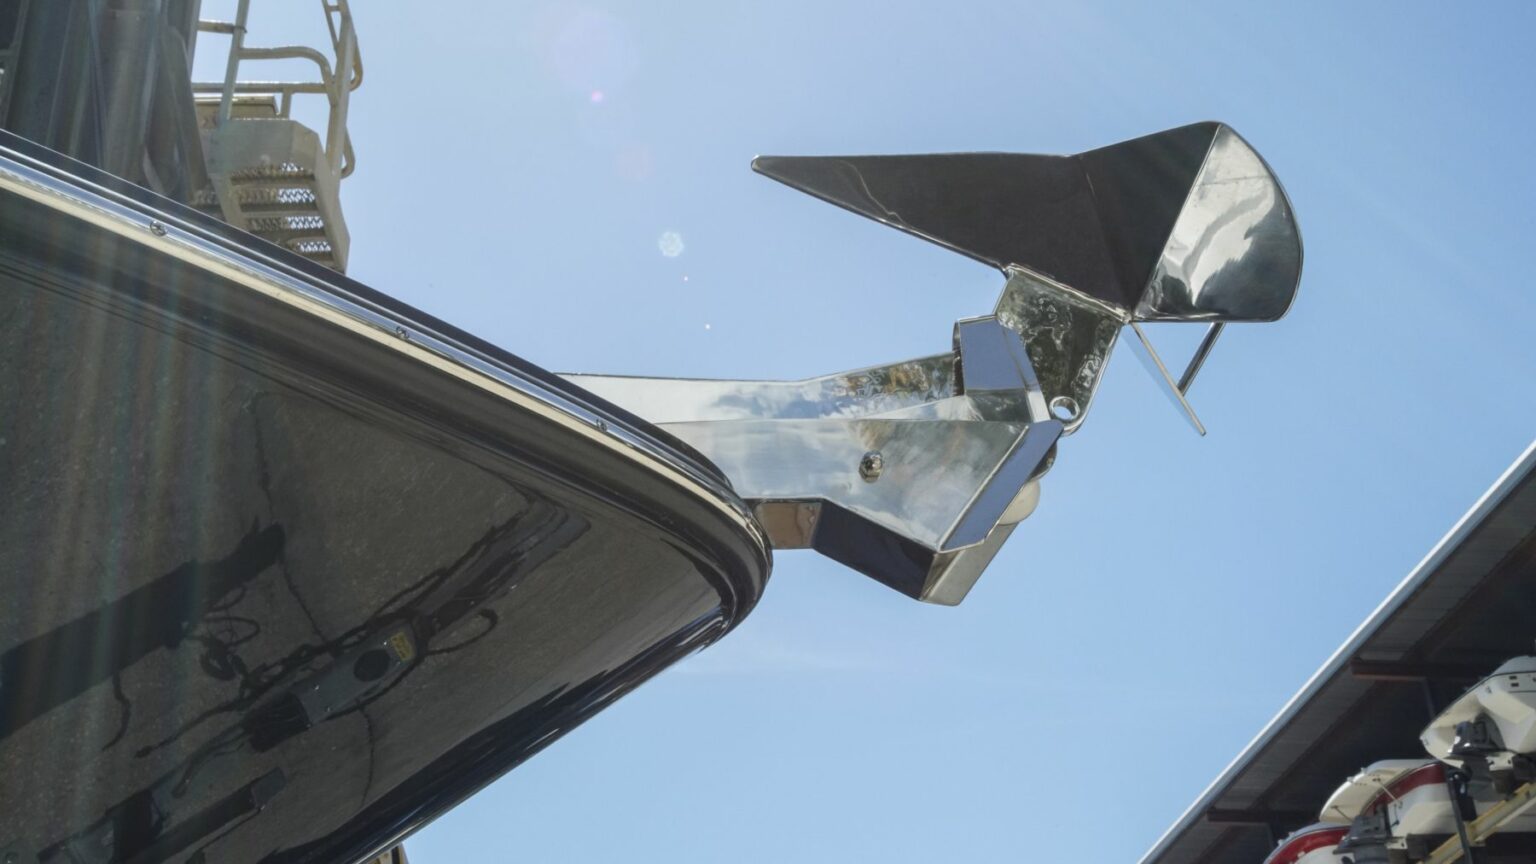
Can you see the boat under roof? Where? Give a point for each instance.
(1464, 610)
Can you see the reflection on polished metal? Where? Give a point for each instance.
(1207, 342)
(1153, 363)
(916, 472)
(1068, 335)
(1184, 225)
(871, 465)
(893, 470)
(1187, 224)
(1234, 253)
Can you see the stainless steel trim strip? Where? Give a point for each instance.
(271, 278)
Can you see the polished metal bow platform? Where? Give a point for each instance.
(915, 473)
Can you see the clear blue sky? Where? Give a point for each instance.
(1171, 592)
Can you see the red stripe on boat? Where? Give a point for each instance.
(1300, 844)
(1423, 775)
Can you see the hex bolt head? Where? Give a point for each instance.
(871, 465)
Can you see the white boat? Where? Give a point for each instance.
(1366, 789)
(1492, 725)
(1314, 844)
(1400, 809)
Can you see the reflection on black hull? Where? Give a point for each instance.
(281, 594)
(368, 661)
(48, 670)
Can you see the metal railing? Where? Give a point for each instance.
(336, 81)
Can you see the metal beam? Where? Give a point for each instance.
(1220, 816)
(1486, 825)
(1409, 671)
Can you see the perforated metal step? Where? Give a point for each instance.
(269, 180)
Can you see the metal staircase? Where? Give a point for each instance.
(270, 174)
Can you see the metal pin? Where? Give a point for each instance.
(1206, 344)
(871, 465)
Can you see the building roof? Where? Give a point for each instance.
(1466, 608)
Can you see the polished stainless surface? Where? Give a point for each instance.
(1184, 225)
(914, 473)
(871, 466)
(1153, 363)
(1187, 224)
(1202, 353)
(1069, 336)
(1234, 253)
(906, 453)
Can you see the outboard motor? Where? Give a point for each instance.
(1366, 841)
(1491, 729)
(1399, 809)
